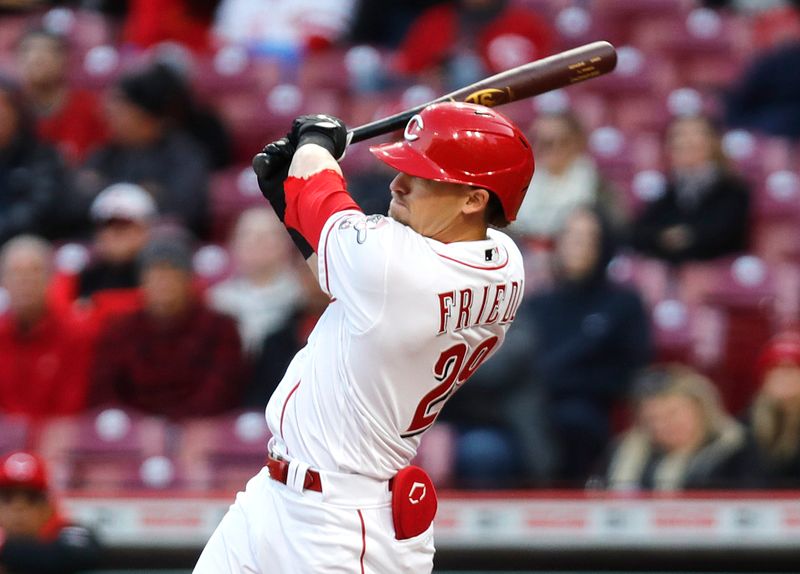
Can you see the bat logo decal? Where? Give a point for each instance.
(489, 97)
(413, 127)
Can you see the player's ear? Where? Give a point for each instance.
(476, 200)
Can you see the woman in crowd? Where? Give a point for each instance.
(775, 417)
(566, 178)
(590, 337)
(682, 437)
(703, 212)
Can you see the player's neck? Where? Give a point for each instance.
(461, 233)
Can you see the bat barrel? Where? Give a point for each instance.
(551, 73)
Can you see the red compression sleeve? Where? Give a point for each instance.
(311, 201)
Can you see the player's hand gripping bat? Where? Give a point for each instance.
(556, 71)
(531, 79)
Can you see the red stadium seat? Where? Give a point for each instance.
(223, 453)
(102, 450)
(14, 432)
(232, 191)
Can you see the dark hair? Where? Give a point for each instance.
(495, 215)
(157, 89)
(714, 128)
(25, 136)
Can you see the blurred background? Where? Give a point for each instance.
(644, 413)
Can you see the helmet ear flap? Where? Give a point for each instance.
(465, 143)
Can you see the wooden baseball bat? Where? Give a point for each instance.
(556, 71)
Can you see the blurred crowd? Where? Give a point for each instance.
(151, 300)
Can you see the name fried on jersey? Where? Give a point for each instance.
(479, 306)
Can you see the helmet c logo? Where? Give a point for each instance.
(413, 127)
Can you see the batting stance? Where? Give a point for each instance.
(419, 300)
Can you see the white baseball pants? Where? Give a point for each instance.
(273, 528)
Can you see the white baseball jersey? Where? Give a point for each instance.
(410, 320)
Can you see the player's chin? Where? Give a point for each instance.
(397, 212)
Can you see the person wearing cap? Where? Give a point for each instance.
(35, 537)
(123, 215)
(45, 350)
(173, 357)
(146, 149)
(419, 300)
(774, 418)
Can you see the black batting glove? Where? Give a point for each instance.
(272, 164)
(323, 130)
(272, 168)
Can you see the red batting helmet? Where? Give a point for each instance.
(465, 143)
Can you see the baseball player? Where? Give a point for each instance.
(419, 300)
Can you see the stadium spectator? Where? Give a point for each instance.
(774, 419)
(385, 23)
(682, 437)
(122, 214)
(194, 118)
(282, 28)
(502, 439)
(766, 99)
(265, 290)
(284, 342)
(174, 357)
(34, 196)
(44, 353)
(70, 119)
(186, 22)
(566, 177)
(472, 38)
(147, 150)
(590, 337)
(703, 212)
(35, 537)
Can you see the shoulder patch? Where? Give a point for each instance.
(361, 225)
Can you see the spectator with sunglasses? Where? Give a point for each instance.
(565, 178)
(35, 537)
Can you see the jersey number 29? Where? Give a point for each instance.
(451, 370)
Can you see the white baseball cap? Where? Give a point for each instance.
(125, 201)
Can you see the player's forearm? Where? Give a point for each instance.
(310, 159)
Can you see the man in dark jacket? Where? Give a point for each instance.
(590, 337)
(704, 210)
(174, 357)
(147, 150)
(33, 190)
(35, 538)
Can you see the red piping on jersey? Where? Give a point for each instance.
(475, 266)
(286, 402)
(325, 259)
(363, 539)
(311, 201)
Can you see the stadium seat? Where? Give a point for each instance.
(223, 453)
(672, 333)
(232, 191)
(14, 432)
(103, 449)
